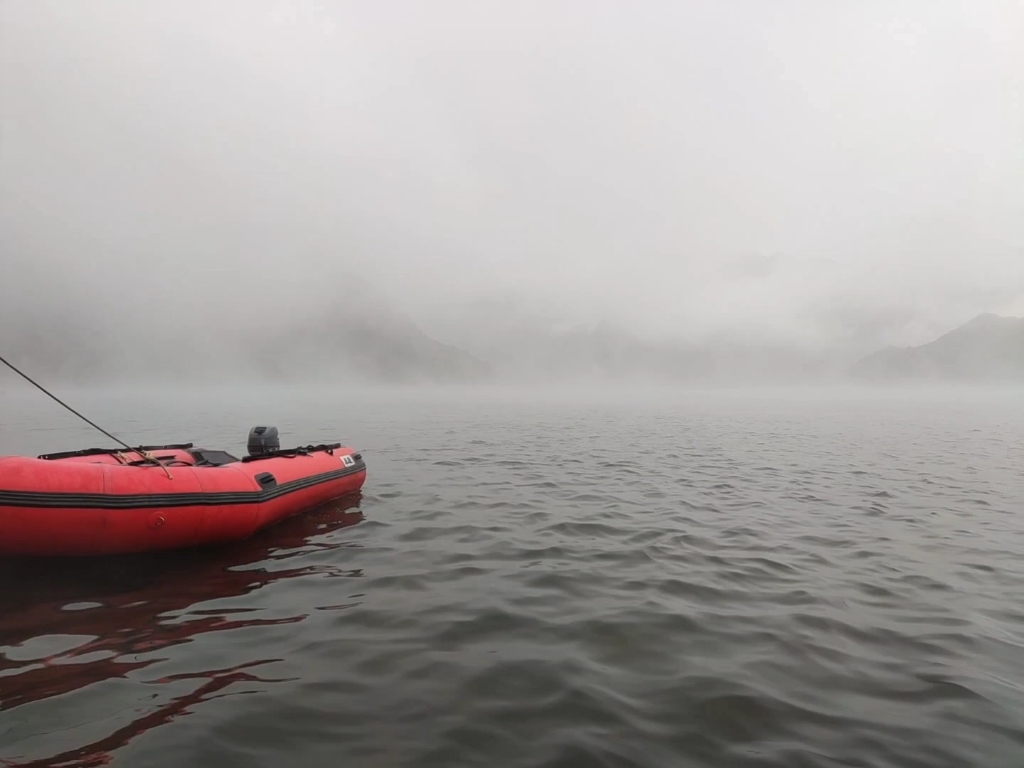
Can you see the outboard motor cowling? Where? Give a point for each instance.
(263, 440)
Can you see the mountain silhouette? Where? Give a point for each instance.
(989, 348)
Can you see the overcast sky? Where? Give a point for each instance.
(181, 155)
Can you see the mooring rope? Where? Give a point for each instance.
(144, 454)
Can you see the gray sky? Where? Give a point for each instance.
(170, 156)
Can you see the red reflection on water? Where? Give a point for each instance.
(98, 753)
(139, 597)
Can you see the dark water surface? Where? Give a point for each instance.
(727, 580)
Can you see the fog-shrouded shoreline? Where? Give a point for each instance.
(389, 350)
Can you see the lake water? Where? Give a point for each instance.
(781, 580)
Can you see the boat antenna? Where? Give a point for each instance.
(43, 389)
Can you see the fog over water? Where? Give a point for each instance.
(683, 342)
(832, 178)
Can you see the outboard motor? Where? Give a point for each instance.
(263, 440)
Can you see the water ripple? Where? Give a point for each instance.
(742, 584)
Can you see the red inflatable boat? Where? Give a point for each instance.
(101, 502)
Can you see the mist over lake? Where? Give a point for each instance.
(683, 342)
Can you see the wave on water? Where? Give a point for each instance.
(634, 588)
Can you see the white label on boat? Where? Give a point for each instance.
(348, 461)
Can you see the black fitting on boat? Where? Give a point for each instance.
(109, 451)
(291, 453)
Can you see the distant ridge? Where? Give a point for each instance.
(353, 345)
(361, 339)
(534, 346)
(989, 348)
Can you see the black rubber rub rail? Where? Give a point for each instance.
(107, 451)
(291, 453)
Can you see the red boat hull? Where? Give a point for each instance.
(104, 504)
